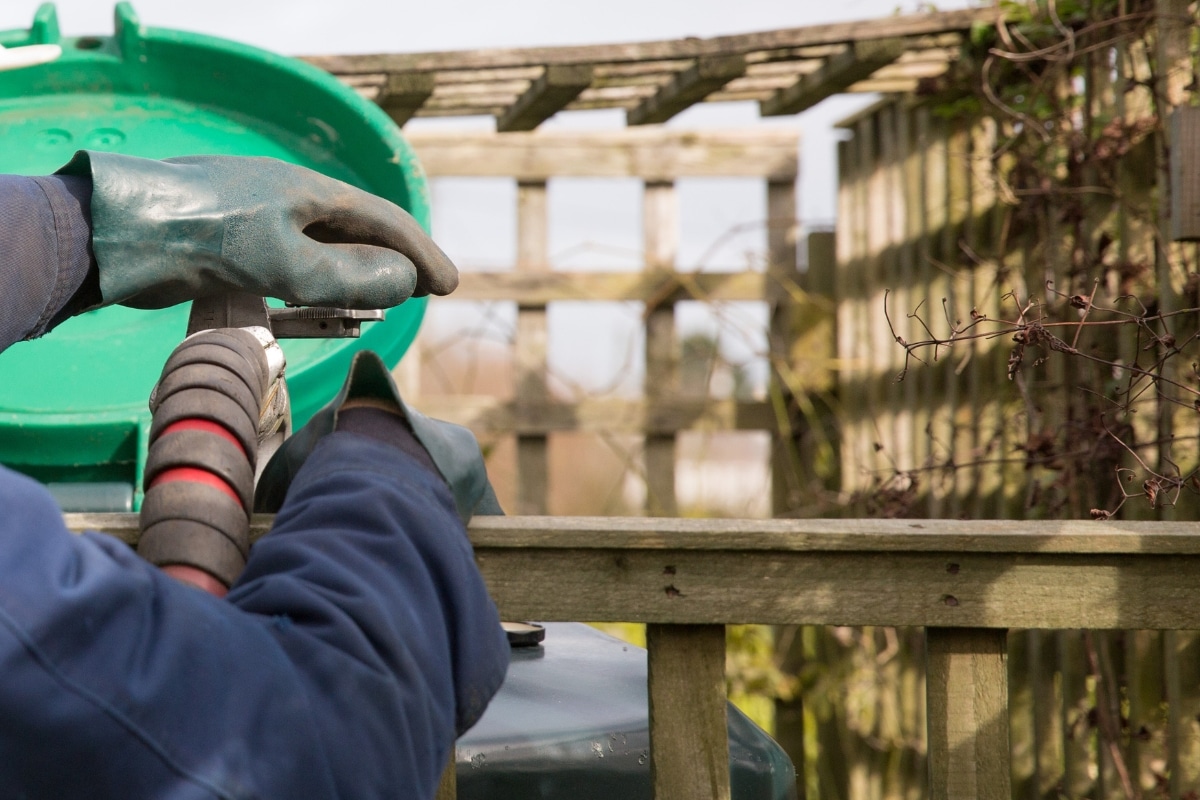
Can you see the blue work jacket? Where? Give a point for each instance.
(359, 641)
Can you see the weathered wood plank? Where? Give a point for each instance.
(858, 61)
(471, 92)
(913, 279)
(533, 463)
(960, 417)
(885, 210)
(402, 95)
(866, 233)
(454, 76)
(660, 226)
(967, 687)
(539, 288)
(639, 69)
(1022, 678)
(647, 153)
(846, 251)
(489, 110)
(596, 415)
(613, 96)
(689, 740)
(1185, 173)
(933, 139)
(545, 97)
(1044, 591)
(1047, 712)
(690, 86)
(784, 329)
(851, 572)
(883, 86)
(1144, 673)
(1084, 541)
(1078, 779)
(1183, 711)
(913, 25)
(448, 787)
(1112, 770)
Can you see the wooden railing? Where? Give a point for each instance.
(965, 582)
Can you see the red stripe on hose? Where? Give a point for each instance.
(196, 577)
(206, 426)
(196, 476)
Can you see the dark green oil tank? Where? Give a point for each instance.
(570, 723)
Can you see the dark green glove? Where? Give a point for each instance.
(453, 448)
(169, 231)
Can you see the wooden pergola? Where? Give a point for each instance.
(785, 71)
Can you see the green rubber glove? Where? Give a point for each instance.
(453, 448)
(169, 231)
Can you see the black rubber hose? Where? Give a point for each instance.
(199, 476)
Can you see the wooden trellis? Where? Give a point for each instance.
(657, 157)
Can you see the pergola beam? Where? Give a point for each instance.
(856, 62)
(403, 94)
(545, 97)
(649, 154)
(808, 36)
(691, 86)
(785, 71)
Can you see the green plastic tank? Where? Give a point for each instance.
(73, 405)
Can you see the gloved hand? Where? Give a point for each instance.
(169, 231)
(452, 448)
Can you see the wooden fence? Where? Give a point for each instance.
(937, 220)
(658, 158)
(942, 212)
(965, 582)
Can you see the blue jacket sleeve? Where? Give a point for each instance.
(45, 254)
(340, 665)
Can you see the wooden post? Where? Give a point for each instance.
(1185, 174)
(1021, 715)
(1047, 712)
(448, 787)
(532, 256)
(1077, 760)
(1172, 75)
(689, 738)
(782, 280)
(919, 392)
(908, 233)
(933, 141)
(886, 354)
(1144, 670)
(967, 696)
(873, 423)
(660, 218)
(1183, 711)
(793, 467)
(844, 287)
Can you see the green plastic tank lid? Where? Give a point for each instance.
(73, 404)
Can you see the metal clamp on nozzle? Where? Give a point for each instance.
(241, 310)
(315, 322)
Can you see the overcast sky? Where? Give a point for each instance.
(298, 27)
(593, 223)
